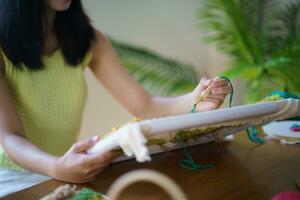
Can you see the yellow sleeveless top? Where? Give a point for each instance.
(50, 103)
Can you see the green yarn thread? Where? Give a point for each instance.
(189, 163)
(194, 108)
(251, 131)
(231, 92)
(252, 135)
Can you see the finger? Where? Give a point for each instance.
(213, 100)
(221, 90)
(99, 166)
(204, 83)
(99, 158)
(219, 83)
(84, 145)
(107, 160)
(90, 170)
(213, 103)
(210, 103)
(217, 96)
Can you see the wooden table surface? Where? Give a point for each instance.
(243, 171)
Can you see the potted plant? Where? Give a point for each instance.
(262, 38)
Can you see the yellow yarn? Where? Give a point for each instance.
(50, 103)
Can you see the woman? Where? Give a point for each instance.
(45, 46)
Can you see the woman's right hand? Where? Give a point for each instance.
(76, 166)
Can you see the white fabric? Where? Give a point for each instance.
(277, 130)
(13, 181)
(282, 141)
(282, 128)
(133, 142)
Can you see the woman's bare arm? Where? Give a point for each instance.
(108, 70)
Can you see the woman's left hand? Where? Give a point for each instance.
(219, 89)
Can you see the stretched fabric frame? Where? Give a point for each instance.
(201, 127)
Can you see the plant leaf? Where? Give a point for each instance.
(159, 75)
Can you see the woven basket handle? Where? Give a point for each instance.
(157, 178)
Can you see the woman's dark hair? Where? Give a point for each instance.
(22, 32)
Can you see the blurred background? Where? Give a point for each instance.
(163, 44)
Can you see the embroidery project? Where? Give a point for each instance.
(286, 132)
(195, 128)
(295, 127)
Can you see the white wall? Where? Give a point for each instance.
(165, 26)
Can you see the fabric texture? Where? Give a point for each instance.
(50, 103)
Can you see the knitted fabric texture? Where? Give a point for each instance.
(50, 103)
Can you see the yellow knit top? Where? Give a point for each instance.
(50, 103)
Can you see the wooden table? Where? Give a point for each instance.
(243, 171)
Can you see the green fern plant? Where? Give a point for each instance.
(159, 75)
(262, 38)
